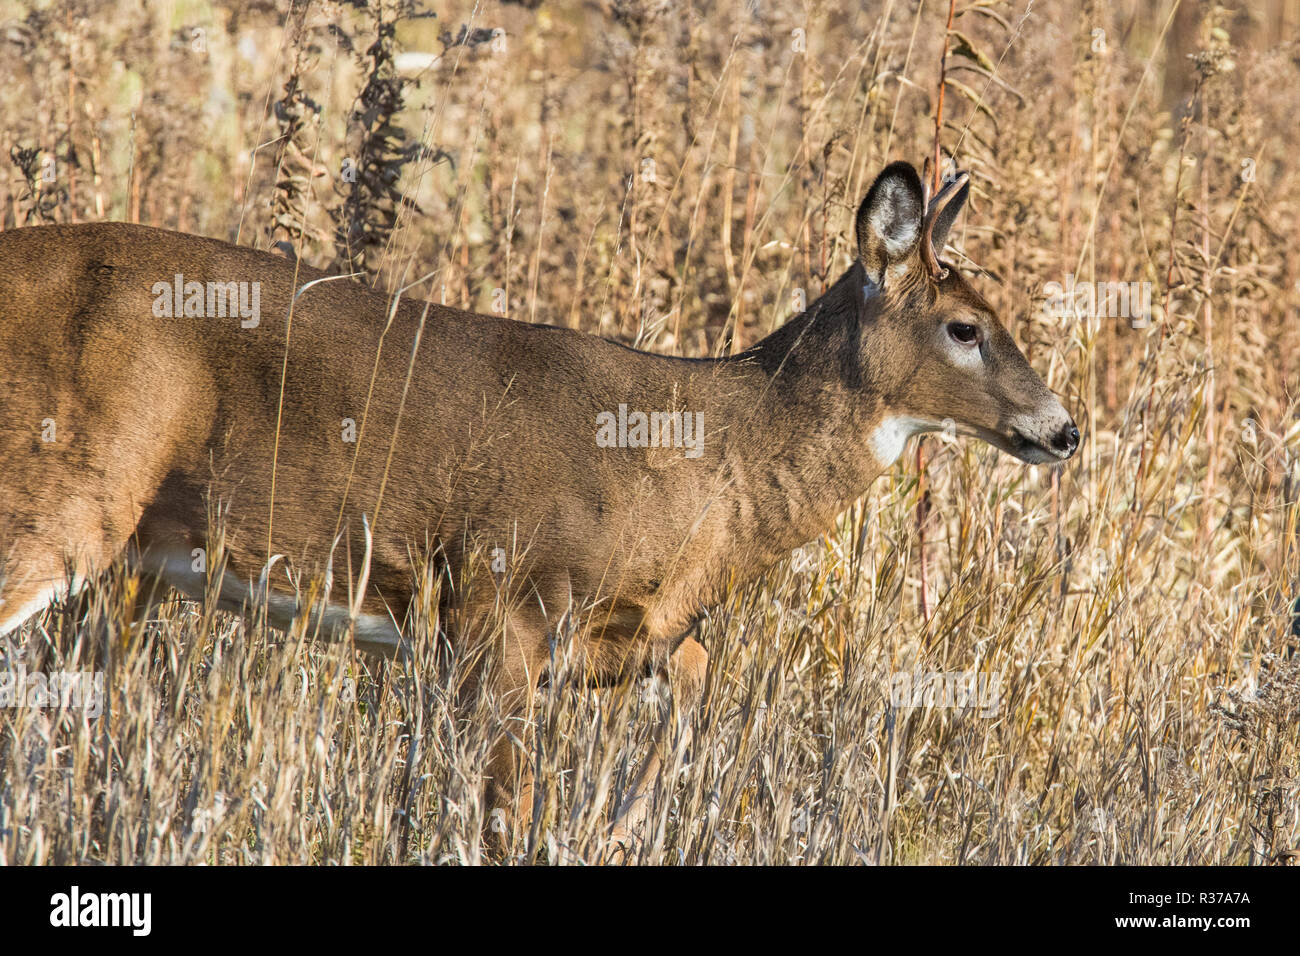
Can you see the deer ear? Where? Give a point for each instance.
(939, 219)
(890, 220)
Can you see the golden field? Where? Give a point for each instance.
(681, 177)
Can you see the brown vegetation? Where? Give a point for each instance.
(680, 177)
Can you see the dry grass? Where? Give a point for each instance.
(678, 177)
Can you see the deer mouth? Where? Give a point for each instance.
(1030, 450)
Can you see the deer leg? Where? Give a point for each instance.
(685, 675)
(68, 542)
(72, 498)
(515, 657)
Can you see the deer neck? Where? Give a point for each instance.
(815, 428)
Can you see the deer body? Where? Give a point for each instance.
(474, 435)
(497, 437)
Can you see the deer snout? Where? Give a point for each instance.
(1044, 436)
(1065, 441)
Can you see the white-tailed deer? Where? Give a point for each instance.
(147, 375)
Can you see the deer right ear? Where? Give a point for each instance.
(889, 221)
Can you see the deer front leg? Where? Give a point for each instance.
(509, 674)
(685, 673)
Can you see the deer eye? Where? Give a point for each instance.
(964, 333)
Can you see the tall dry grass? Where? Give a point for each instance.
(680, 177)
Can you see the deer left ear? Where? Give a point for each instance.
(939, 219)
(890, 220)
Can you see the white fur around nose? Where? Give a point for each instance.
(889, 438)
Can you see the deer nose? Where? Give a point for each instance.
(1066, 440)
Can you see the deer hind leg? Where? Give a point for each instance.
(685, 675)
(29, 586)
(84, 448)
(55, 540)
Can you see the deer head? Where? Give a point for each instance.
(942, 359)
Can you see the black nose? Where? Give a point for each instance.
(1066, 440)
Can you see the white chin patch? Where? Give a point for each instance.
(891, 435)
